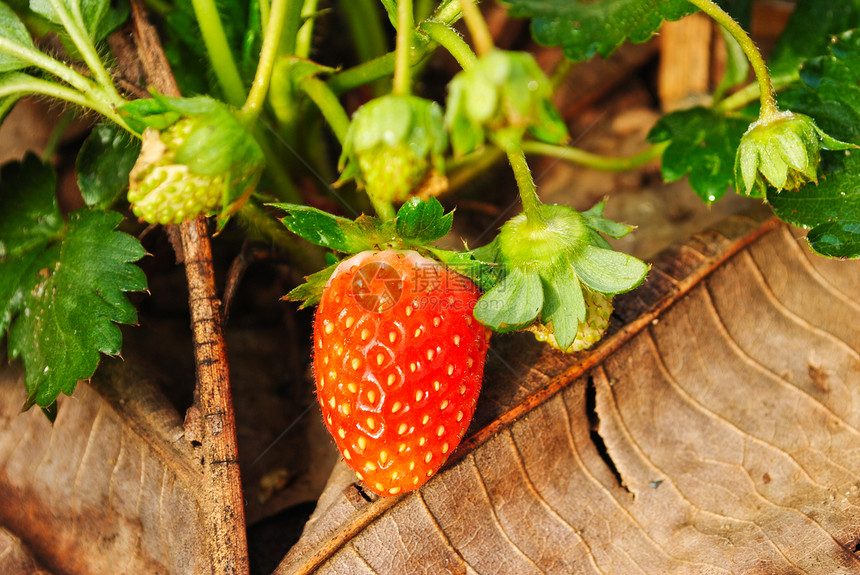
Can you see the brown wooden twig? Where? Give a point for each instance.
(222, 499)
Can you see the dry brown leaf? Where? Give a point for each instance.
(110, 488)
(715, 433)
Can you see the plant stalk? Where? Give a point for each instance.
(25, 84)
(268, 55)
(327, 102)
(50, 65)
(526, 184)
(451, 40)
(402, 64)
(220, 54)
(767, 96)
(595, 161)
(74, 25)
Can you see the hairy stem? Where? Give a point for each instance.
(402, 64)
(48, 64)
(268, 54)
(220, 55)
(25, 84)
(752, 92)
(383, 208)
(327, 102)
(74, 25)
(451, 40)
(525, 184)
(766, 97)
(596, 161)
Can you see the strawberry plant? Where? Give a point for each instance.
(238, 115)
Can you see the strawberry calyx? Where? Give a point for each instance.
(558, 276)
(416, 226)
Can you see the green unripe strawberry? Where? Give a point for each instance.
(164, 192)
(393, 144)
(598, 308)
(782, 150)
(503, 95)
(559, 276)
(196, 158)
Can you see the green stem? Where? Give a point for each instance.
(402, 64)
(767, 98)
(48, 64)
(752, 92)
(305, 35)
(451, 40)
(481, 37)
(383, 208)
(17, 83)
(331, 108)
(362, 74)
(268, 54)
(525, 184)
(596, 161)
(447, 13)
(220, 55)
(74, 25)
(264, 13)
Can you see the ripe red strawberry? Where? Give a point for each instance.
(398, 361)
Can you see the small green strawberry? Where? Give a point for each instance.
(393, 144)
(598, 308)
(503, 95)
(782, 149)
(162, 191)
(398, 361)
(559, 276)
(196, 158)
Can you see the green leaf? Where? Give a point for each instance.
(423, 221)
(585, 27)
(13, 29)
(830, 92)
(29, 215)
(514, 303)
(608, 271)
(104, 162)
(808, 32)
(564, 305)
(310, 292)
(834, 200)
(595, 220)
(92, 12)
(332, 232)
(836, 239)
(64, 288)
(703, 145)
